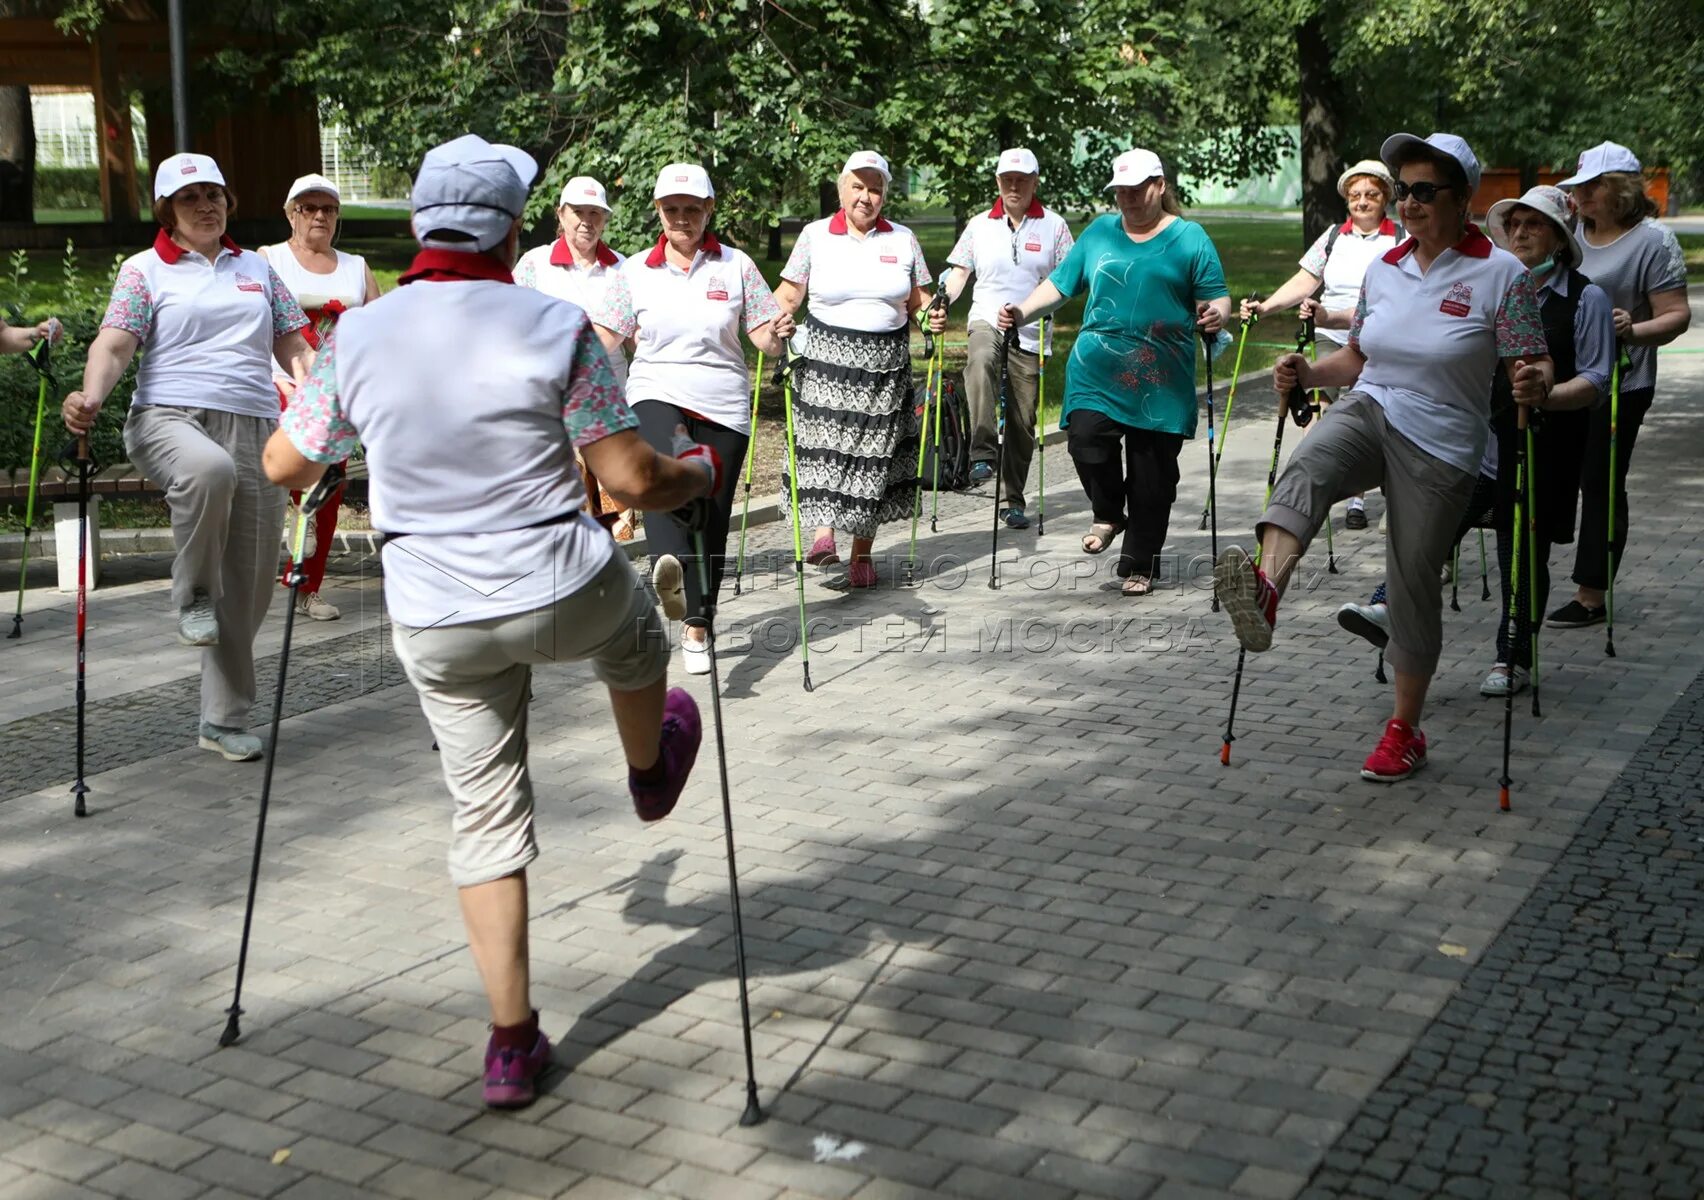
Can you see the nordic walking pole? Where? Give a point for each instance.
(753, 1113)
(1455, 578)
(1609, 529)
(940, 390)
(1516, 579)
(751, 463)
(1330, 542)
(1231, 395)
(1532, 559)
(929, 385)
(79, 788)
(1041, 439)
(1484, 579)
(1212, 460)
(1006, 344)
(311, 504)
(39, 359)
(785, 371)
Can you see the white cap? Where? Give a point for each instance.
(1549, 202)
(583, 190)
(868, 160)
(181, 170)
(1370, 167)
(683, 179)
(471, 187)
(1134, 168)
(313, 183)
(1447, 145)
(1602, 158)
(1017, 161)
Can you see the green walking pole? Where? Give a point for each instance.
(1040, 442)
(786, 373)
(1532, 560)
(1516, 578)
(751, 462)
(1230, 400)
(929, 386)
(1609, 529)
(946, 390)
(38, 358)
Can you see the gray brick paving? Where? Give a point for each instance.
(1013, 931)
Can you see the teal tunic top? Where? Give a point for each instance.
(1134, 358)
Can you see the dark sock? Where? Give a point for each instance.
(649, 776)
(516, 1037)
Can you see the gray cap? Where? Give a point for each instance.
(471, 188)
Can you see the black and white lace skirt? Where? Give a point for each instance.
(855, 430)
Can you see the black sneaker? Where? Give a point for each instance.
(1014, 518)
(981, 472)
(1356, 519)
(1574, 615)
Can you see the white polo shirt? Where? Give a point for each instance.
(1346, 266)
(857, 282)
(206, 328)
(1009, 261)
(470, 396)
(687, 325)
(552, 270)
(1432, 341)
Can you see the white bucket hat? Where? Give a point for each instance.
(181, 170)
(1547, 201)
(1367, 166)
(1447, 145)
(1602, 159)
(584, 191)
(1133, 168)
(683, 179)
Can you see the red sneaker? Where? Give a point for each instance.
(1400, 753)
(1247, 596)
(511, 1076)
(822, 552)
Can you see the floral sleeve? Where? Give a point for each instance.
(526, 273)
(314, 420)
(593, 407)
(1520, 330)
(1062, 242)
(1313, 262)
(131, 308)
(964, 251)
(615, 310)
(798, 268)
(1358, 320)
(920, 276)
(287, 315)
(760, 305)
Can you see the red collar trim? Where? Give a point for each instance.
(1387, 227)
(1473, 244)
(562, 256)
(838, 225)
(710, 247)
(1034, 211)
(169, 251)
(439, 266)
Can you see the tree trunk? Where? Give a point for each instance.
(1322, 129)
(828, 197)
(774, 249)
(17, 155)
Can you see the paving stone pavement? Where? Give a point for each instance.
(1013, 931)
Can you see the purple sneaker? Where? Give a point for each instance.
(683, 730)
(511, 1077)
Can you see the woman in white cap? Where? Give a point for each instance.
(212, 318)
(1638, 261)
(1009, 249)
(1437, 316)
(856, 431)
(326, 281)
(1152, 280)
(684, 306)
(485, 390)
(1338, 260)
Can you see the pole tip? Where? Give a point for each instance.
(1225, 755)
(753, 1114)
(233, 1031)
(1503, 797)
(808, 686)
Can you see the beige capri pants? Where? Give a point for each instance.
(474, 681)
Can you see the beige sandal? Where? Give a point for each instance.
(1102, 533)
(1138, 585)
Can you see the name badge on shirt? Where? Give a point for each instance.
(245, 284)
(717, 289)
(1459, 302)
(1032, 247)
(890, 258)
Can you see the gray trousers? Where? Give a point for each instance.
(226, 523)
(982, 387)
(1354, 449)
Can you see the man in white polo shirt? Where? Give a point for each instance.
(471, 396)
(1438, 315)
(1010, 249)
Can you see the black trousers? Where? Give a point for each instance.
(666, 535)
(1596, 539)
(1126, 470)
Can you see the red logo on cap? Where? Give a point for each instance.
(188, 169)
(1122, 167)
(680, 179)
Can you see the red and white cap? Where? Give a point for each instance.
(583, 190)
(181, 170)
(1017, 161)
(683, 179)
(1134, 168)
(868, 160)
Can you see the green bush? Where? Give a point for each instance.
(79, 188)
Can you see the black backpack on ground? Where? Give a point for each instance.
(955, 437)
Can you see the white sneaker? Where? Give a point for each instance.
(310, 539)
(695, 655)
(1501, 682)
(670, 582)
(1370, 621)
(309, 604)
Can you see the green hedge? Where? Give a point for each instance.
(75, 188)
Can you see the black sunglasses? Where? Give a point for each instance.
(1423, 192)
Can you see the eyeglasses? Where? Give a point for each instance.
(1374, 194)
(1423, 192)
(314, 210)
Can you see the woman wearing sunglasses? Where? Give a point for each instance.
(1436, 316)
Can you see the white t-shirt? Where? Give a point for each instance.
(206, 328)
(1009, 262)
(347, 285)
(551, 269)
(1432, 341)
(470, 396)
(1342, 272)
(855, 282)
(687, 325)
